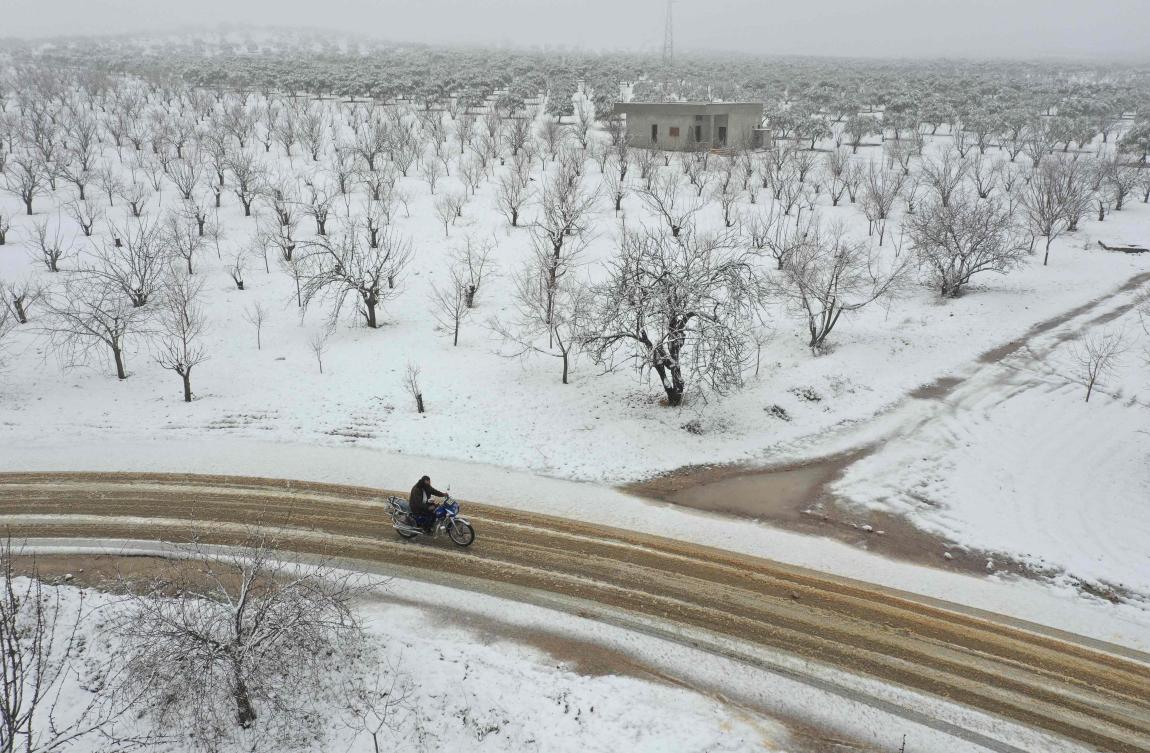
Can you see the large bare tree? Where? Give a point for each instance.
(681, 306)
(238, 647)
(964, 238)
(831, 274)
(335, 267)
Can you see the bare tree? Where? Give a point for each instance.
(412, 386)
(473, 260)
(1095, 357)
(344, 265)
(664, 198)
(89, 313)
(135, 195)
(431, 171)
(181, 324)
(1045, 200)
(5, 226)
(830, 275)
(237, 268)
(945, 174)
(514, 192)
(318, 345)
(880, 192)
(46, 654)
(250, 178)
(449, 304)
(19, 297)
(318, 206)
(955, 242)
(240, 649)
(555, 312)
(181, 237)
(51, 248)
(26, 176)
(137, 265)
(680, 306)
(256, 315)
(86, 214)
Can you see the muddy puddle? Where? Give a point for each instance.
(799, 498)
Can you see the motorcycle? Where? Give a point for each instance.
(447, 520)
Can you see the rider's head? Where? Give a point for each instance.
(425, 480)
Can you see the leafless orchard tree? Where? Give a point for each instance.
(318, 345)
(85, 213)
(1045, 201)
(257, 316)
(238, 649)
(449, 304)
(557, 312)
(473, 260)
(682, 306)
(5, 226)
(137, 266)
(412, 387)
(945, 175)
(181, 325)
(665, 200)
(514, 193)
(20, 296)
(45, 648)
(87, 314)
(26, 176)
(343, 265)
(250, 177)
(955, 242)
(831, 274)
(50, 246)
(1095, 357)
(880, 192)
(379, 705)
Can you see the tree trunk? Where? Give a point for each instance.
(118, 355)
(245, 713)
(187, 377)
(1046, 258)
(369, 312)
(28, 205)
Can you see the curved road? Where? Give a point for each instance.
(1082, 690)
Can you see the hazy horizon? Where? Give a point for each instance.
(1028, 29)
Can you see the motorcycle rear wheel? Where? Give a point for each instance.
(461, 533)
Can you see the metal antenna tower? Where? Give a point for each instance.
(669, 38)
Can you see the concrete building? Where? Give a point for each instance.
(689, 125)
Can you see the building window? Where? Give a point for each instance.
(654, 133)
(673, 132)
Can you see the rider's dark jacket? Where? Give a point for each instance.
(421, 493)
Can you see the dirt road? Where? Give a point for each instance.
(1082, 690)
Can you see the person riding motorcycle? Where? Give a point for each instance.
(419, 502)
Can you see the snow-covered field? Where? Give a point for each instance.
(476, 672)
(1032, 458)
(1017, 461)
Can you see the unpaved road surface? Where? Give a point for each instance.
(1079, 689)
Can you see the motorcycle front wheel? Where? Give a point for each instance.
(461, 533)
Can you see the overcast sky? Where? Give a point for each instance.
(970, 28)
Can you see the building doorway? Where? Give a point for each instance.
(722, 139)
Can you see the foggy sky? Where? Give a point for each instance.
(876, 28)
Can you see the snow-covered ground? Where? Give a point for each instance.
(1016, 461)
(477, 672)
(513, 413)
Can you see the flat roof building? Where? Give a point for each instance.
(692, 125)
